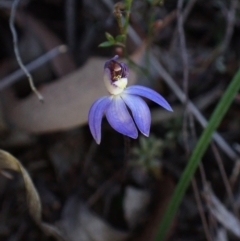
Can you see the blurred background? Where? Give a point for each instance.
(186, 50)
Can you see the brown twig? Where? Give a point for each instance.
(201, 102)
(16, 50)
(235, 174)
(15, 76)
(91, 151)
(188, 116)
(202, 173)
(204, 183)
(201, 210)
(221, 49)
(208, 229)
(127, 143)
(225, 178)
(99, 192)
(183, 48)
(197, 114)
(185, 68)
(185, 14)
(230, 25)
(70, 13)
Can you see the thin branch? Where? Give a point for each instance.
(204, 183)
(208, 229)
(235, 174)
(71, 23)
(225, 178)
(197, 114)
(15, 76)
(185, 68)
(201, 210)
(231, 14)
(16, 50)
(185, 14)
(183, 48)
(87, 160)
(127, 149)
(222, 47)
(105, 186)
(188, 9)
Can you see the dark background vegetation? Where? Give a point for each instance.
(73, 175)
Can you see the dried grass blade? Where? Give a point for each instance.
(219, 211)
(7, 161)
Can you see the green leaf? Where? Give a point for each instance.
(196, 156)
(120, 44)
(110, 38)
(120, 38)
(105, 44)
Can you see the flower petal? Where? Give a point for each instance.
(120, 119)
(95, 116)
(140, 112)
(148, 93)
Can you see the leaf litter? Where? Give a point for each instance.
(77, 184)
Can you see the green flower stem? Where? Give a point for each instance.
(120, 25)
(196, 156)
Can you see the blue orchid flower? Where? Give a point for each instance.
(115, 105)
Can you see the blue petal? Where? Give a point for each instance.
(148, 93)
(95, 116)
(120, 119)
(140, 112)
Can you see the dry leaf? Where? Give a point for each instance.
(135, 204)
(80, 224)
(67, 100)
(7, 161)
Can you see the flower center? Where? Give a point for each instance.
(115, 77)
(115, 70)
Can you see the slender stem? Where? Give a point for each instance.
(16, 50)
(40, 61)
(225, 179)
(118, 14)
(126, 149)
(70, 13)
(128, 4)
(120, 25)
(120, 20)
(201, 210)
